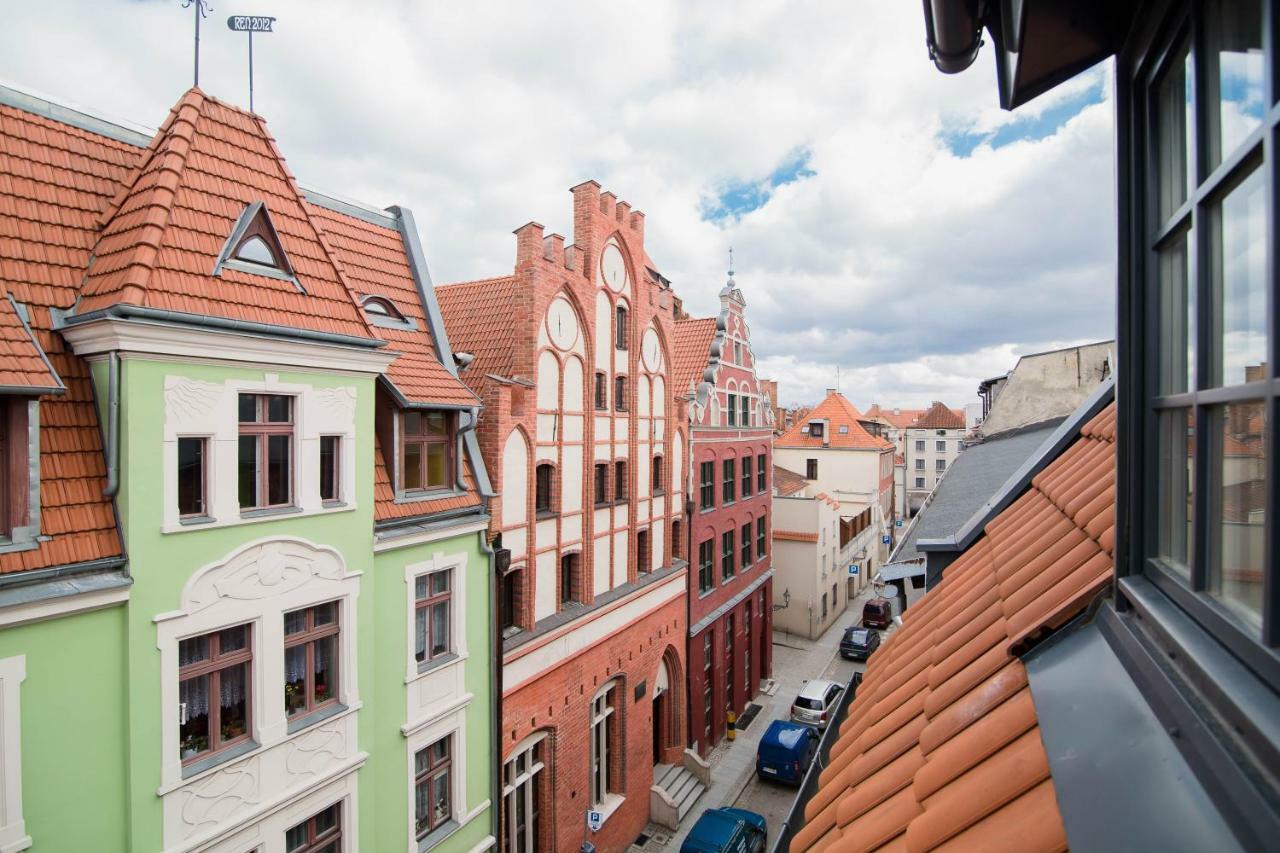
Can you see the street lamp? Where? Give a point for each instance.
(786, 600)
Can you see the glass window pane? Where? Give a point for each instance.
(279, 478)
(437, 465)
(248, 471)
(1234, 47)
(420, 634)
(439, 582)
(233, 639)
(190, 476)
(296, 838)
(422, 806)
(327, 820)
(279, 409)
(326, 669)
(295, 679)
(248, 408)
(295, 622)
(325, 614)
(411, 470)
(233, 699)
(439, 628)
(1177, 318)
(420, 587)
(413, 423)
(1239, 464)
(329, 467)
(1176, 489)
(193, 694)
(440, 799)
(255, 251)
(1174, 126)
(437, 423)
(1239, 281)
(193, 650)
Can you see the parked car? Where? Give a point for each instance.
(786, 751)
(877, 613)
(816, 704)
(726, 831)
(858, 643)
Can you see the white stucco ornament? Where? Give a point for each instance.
(613, 269)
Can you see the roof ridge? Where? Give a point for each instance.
(478, 281)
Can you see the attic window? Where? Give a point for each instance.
(815, 430)
(376, 306)
(254, 247)
(844, 429)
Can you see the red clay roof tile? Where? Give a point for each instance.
(691, 352)
(946, 699)
(840, 415)
(475, 315)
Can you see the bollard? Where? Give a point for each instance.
(732, 718)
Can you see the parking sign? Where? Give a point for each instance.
(595, 820)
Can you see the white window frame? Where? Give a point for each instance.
(522, 785)
(599, 740)
(13, 829)
(453, 726)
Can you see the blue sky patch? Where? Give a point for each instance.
(1025, 128)
(738, 198)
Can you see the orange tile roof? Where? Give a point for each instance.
(374, 262)
(54, 180)
(838, 412)
(169, 219)
(384, 497)
(22, 362)
(476, 319)
(942, 746)
(939, 416)
(902, 419)
(795, 535)
(691, 352)
(787, 482)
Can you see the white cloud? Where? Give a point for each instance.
(916, 271)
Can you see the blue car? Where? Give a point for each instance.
(786, 751)
(726, 831)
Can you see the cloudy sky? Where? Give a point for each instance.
(886, 219)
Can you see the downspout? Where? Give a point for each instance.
(113, 425)
(495, 718)
(467, 423)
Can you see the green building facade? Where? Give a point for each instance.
(245, 595)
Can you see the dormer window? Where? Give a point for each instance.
(376, 306)
(426, 450)
(19, 518)
(254, 247)
(815, 430)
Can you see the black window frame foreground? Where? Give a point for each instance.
(1201, 659)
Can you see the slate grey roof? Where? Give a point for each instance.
(978, 472)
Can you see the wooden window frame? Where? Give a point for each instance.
(262, 430)
(620, 481)
(656, 483)
(728, 481)
(728, 554)
(620, 327)
(706, 565)
(707, 484)
(436, 767)
(425, 440)
(731, 407)
(317, 841)
(544, 495)
(620, 393)
(203, 441)
(747, 476)
(762, 537)
(811, 469)
(762, 474)
(213, 666)
(308, 637)
(745, 545)
(569, 579)
(427, 604)
(336, 498)
(600, 483)
(601, 392)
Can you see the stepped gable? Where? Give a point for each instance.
(942, 743)
(691, 352)
(55, 180)
(838, 412)
(168, 223)
(939, 416)
(373, 261)
(476, 320)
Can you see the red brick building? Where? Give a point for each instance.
(586, 447)
(730, 577)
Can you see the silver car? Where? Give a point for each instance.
(816, 704)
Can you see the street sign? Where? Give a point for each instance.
(853, 568)
(595, 820)
(898, 523)
(885, 539)
(250, 23)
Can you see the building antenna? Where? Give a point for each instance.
(202, 10)
(731, 262)
(250, 24)
(837, 379)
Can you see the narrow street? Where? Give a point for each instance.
(734, 781)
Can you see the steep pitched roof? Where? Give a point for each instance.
(171, 217)
(939, 416)
(54, 181)
(23, 365)
(475, 315)
(843, 429)
(374, 262)
(942, 743)
(900, 418)
(692, 351)
(787, 482)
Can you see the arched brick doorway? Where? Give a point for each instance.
(668, 703)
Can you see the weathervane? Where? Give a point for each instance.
(202, 10)
(250, 24)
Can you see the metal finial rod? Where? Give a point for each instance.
(202, 10)
(730, 262)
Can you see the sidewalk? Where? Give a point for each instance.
(795, 661)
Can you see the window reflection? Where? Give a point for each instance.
(1177, 318)
(1239, 257)
(1177, 489)
(1174, 125)
(1240, 466)
(1234, 38)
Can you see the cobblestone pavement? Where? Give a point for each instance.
(733, 779)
